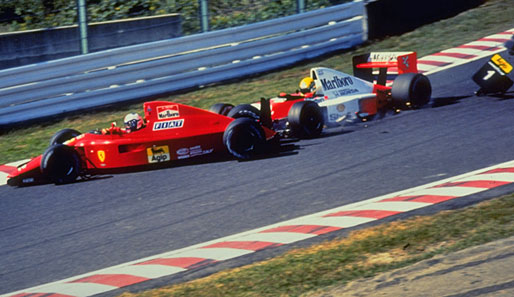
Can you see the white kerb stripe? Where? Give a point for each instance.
(74, 289)
(441, 59)
(17, 163)
(277, 237)
(485, 43)
(400, 206)
(218, 254)
(446, 191)
(500, 176)
(146, 271)
(340, 222)
(467, 51)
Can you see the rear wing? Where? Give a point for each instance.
(386, 63)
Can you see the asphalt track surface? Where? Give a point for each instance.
(49, 232)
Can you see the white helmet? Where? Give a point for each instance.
(133, 121)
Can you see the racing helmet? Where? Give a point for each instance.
(133, 122)
(307, 85)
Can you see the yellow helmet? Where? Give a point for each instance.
(307, 85)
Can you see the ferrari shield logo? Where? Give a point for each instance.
(158, 154)
(101, 156)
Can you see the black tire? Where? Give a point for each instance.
(411, 89)
(63, 135)
(305, 119)
(244, 111)
(60, 163)
(244, 138)
(221, 108)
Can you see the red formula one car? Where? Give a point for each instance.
(169, 131)
(331, 98)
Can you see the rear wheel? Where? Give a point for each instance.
(411, 89)
(60, 163)
(63, 135)
(244, 111)
(221, 108)
(243, 138)
(305, 119)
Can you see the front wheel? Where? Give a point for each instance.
(412, 89)
(243, 138)
(221, 108)
(63, 135)
(60, 163)
(305, 119)
(244, 111)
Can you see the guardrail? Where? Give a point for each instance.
(72, 84)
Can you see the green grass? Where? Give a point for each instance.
(362, 254)
(492, 17)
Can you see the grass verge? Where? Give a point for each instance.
(492, 17)
(362, 254)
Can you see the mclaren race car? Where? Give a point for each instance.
(169, 131)
(330, 98)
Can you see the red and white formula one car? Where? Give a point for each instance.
(169, 131)
(330, 98)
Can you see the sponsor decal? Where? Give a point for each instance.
(183, 151)
(158, 154)
(384, 57)
(167, 112)
(341, 107)
(27, 180)
(502, 63)
(101, 155)
(197, 150)
(405, 61)
(336, 82)
(344, 92)
(165, 125)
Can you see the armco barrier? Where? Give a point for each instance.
(68, 85)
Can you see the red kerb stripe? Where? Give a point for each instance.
(499, 40)
(421, 198)
(479, 47)
(374, 214)
(500, 170)
(244, 245)
(487, 184)
(456, 55)
(306, 229)
(433, 63)
(115, 280)
(40, 295)
(7, 169)
(182, 262)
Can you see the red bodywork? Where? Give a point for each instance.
(172, 131)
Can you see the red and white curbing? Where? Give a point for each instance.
(271, 236)
(298, 229)
(8, 168)
(465, 53)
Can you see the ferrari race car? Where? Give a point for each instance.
(335, 98)
(171, 131)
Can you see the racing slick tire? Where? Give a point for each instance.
(411, 89)
(221, 108)
(244, 138)
(305, 119)
(244, 111)
(60, 163)
(63, 135)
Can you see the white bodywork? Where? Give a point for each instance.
(340, 94)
